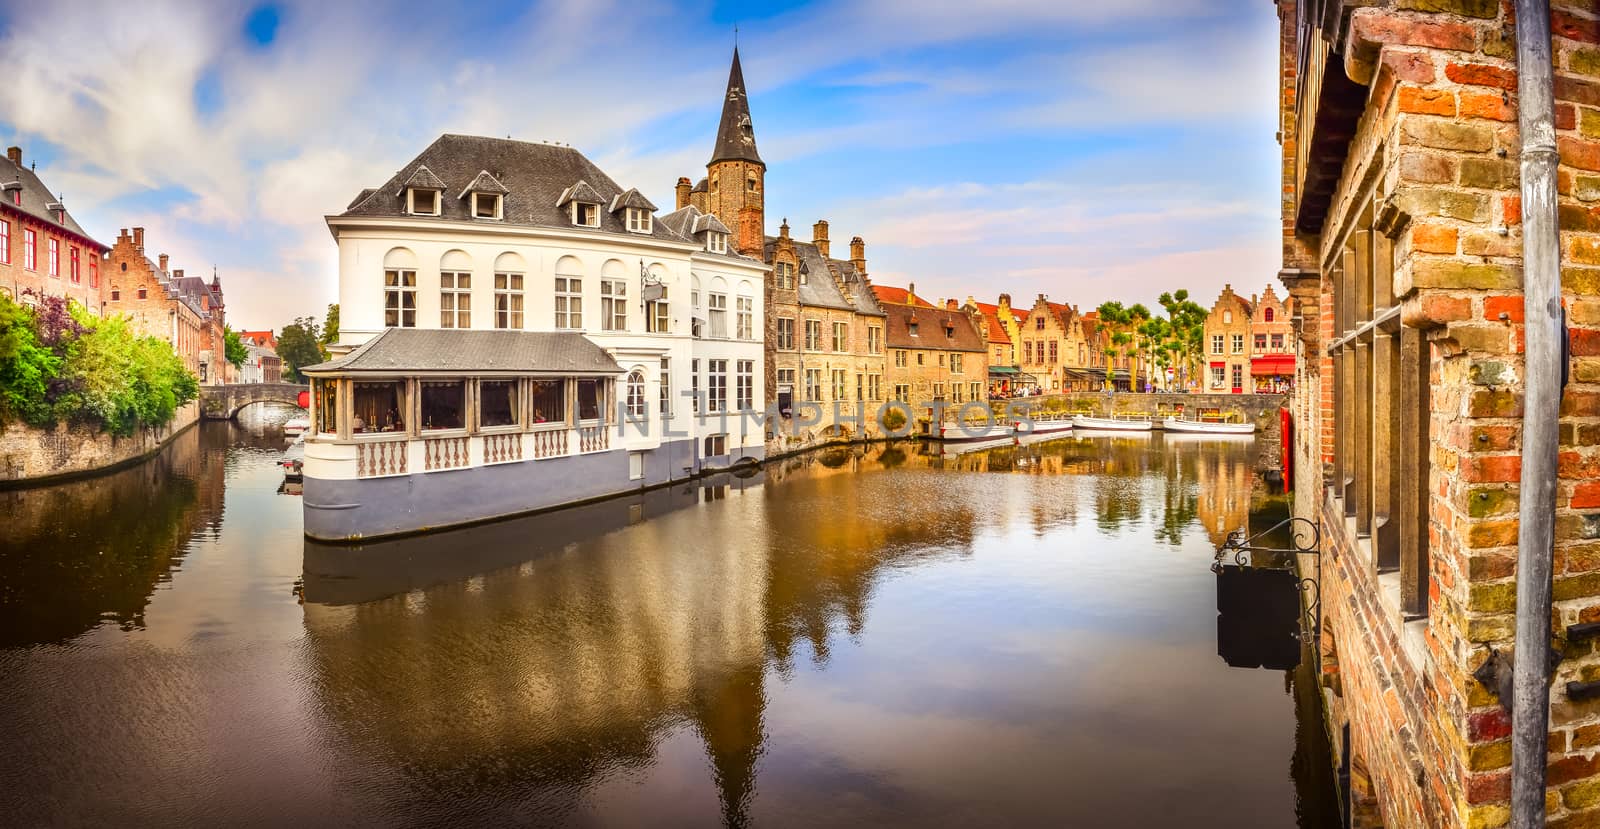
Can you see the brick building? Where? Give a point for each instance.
(186, 311)
(824, 327)
(936, 355)
(1271, 339)
(1056, 350)
(43, 250)
(1005, 376)
(1227, 344)
(1402, 245)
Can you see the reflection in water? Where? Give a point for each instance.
(888, 635)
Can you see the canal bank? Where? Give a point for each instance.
(32, 457)
(871, 634)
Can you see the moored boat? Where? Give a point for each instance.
(296, 425)
(966, 433)
(1109, 424)
(1041, 426)
(1173, 424)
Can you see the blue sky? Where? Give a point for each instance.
(1086, 149)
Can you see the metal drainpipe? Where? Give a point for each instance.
(1541, 288)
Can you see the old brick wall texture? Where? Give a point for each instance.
(28, 454)
(1439, 139)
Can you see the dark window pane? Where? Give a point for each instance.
(442, 403)
(498, 403)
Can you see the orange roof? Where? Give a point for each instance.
(899, 296)
(991, 319)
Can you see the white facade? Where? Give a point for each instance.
(371, 246)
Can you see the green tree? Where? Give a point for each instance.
(1114, 320)
(26, 367)
(298, 345)
(234, 347)
(330, 328)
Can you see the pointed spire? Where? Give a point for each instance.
(736, 137)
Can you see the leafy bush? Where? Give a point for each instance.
(894, 419)
(57, 362)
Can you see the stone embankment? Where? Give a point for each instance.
(31, 457)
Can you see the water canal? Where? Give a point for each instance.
(1023, 636)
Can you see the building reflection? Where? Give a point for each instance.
(532, 658)
(93, 551)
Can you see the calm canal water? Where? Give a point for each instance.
(1022, 636)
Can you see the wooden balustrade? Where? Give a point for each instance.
(377, 458)
(444, 453)
(550, 443)
(502, 448)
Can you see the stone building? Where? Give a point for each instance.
(1058, 348)
(1227, 345)
(1403, 243)
(1271, 337)
(936, 355)
(1005, 376)
(186, 311)
(824, 327)
(43, 250)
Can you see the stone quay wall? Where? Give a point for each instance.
(1260, 409)
(31, 457)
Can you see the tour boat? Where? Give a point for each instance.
(959, 433)
(1173, 424)
(1042, 425)
(1109, 425)
(296, 425)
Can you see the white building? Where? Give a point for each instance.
(576, 345)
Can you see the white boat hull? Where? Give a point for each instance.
(296, 426)
(1042, 427)
(1197, 428)
(955, 433)
(1105, 424)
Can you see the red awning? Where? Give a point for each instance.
(1272, 364)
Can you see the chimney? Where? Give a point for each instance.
(911, 293)
(163, 259)
(177, 274)
(138, 239)
(819, 237)
(750, 240)
(1005, 300)
(858, 255)
(683, 189)
(783, 229)
(951, 305)
(14, 155)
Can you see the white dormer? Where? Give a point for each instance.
(637, 211)
(715, 233)
(582, 203)
(487, 197)
(717, 242)
(423, 191)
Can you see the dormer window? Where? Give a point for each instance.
(487, 205)
(639, 220)
(585, 214)
(717, 242)
(422, 202)
(911, 328)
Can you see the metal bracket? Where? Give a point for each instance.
(1306, 540)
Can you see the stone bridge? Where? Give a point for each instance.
(223, 402)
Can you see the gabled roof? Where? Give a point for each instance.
(484, 183)
(736, 137)
(937, 329)
(820, 280)
(422, 178)
(631, 198)
(537, 179)
(708, 222)
(473, 351)
(991, 322)
(580, 192)
(37, 200)
(889, 294)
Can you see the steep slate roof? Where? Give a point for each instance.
(473, 351)
(736, 137)
(932, 325)
(484, 183)
(819, 287)
(900, 296)
(631, 198)
(36, 199)
(536, 178)
(991, 322)
(421, 177)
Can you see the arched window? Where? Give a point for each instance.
(509, 269)
(636, 404)
(455, 290)
(1267, 314)
(399, 289)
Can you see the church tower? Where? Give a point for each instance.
(735, 178)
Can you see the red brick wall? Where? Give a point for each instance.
(15, 277)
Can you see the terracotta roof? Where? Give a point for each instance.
(899, 296)
(470, 351)
(991, 320)
(936, 329)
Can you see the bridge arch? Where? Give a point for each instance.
(224, 402)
